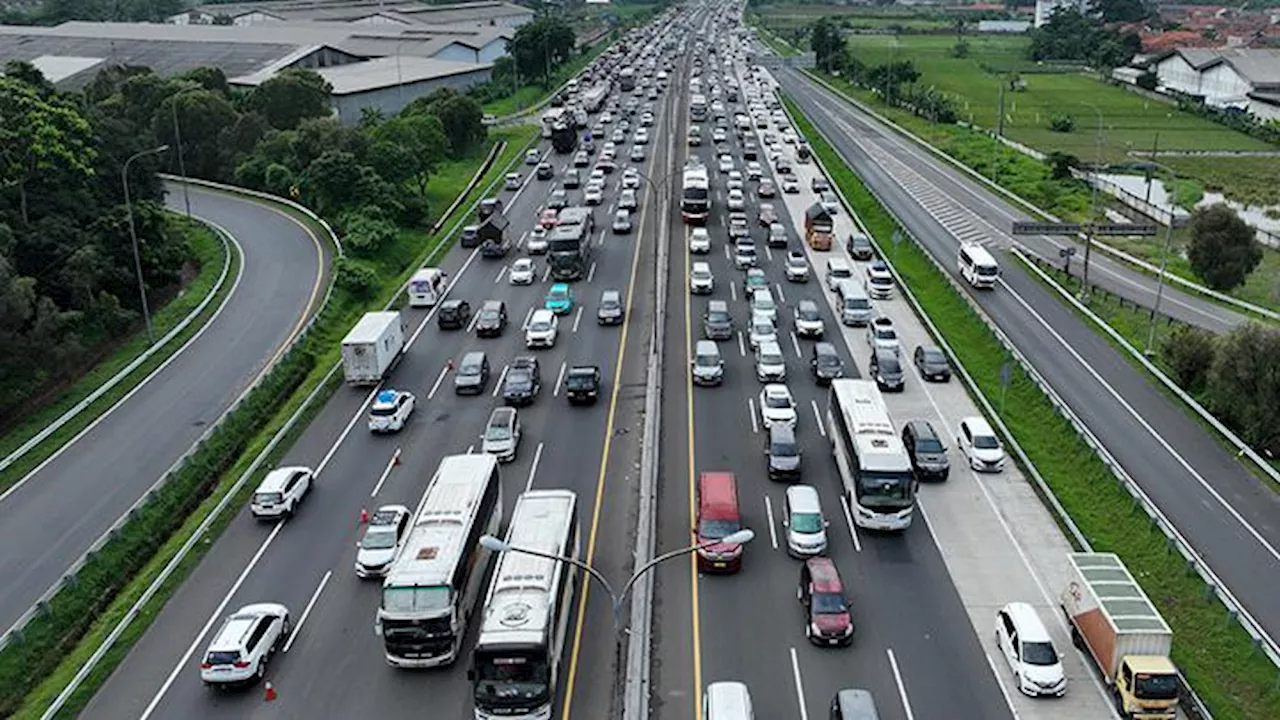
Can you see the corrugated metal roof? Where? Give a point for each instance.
(1119, 593)
(378, 73)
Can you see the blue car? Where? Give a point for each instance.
(559, 299)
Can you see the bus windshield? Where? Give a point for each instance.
(435, 598)
(885, 490)
(512, 678)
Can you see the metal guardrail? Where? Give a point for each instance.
(1194, 705)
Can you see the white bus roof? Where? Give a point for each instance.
(440, 525)
(882, 453)
(978, 254)
(863, 407)
(518, 608)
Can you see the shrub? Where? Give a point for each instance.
(1062, 123)
(1188, 353)
(355, 278)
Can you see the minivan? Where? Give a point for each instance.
(859, 246)
(1027, 647)
(727, 701)
(924, 447)
(717, 323)
(855, 305)
(977, 265)
(853, 704)
(837, 269)
(718, 517)
(762, 304)
(708, 366)
(783, 453)
(805, 524)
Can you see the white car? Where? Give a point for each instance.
(754, 171)
(762, 330)
(637, 153)
(609, 151)
(762, 303)
(543, 329)
(606, 117)
(790, 185)
(391, 410)
(631, 179)
(771, 364)
(797, 267)
(881, 334)
(726, 163)
(735, 180)
(701, 281)
(1029, 650)
(280, 492)
(382, 540)
(593, 195)
(532, 157)
(642, 137)
(522, 272)
(242, 647)
(536, 243)
(979, 444)
(737, 200)
(699, 241)
(719, 135)
(627, 199)
(777, 406)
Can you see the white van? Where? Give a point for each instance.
(855, 305)
(727, 701)
(837, 269)
(806, 526)
(427, 286)
(977, 266)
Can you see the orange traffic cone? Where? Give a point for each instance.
(450, 363)
(395, 459)
(271, 692)
(364, 515)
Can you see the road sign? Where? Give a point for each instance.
(1032, 228)
(1125, 229)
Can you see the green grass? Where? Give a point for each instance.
(1250, 180)
(339, 317)
(534, 93)
(208, 253)
(1213, 651)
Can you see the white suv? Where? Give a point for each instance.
(699, 241)
(543, 329)
(243, 646)
(981, 447)
(280, 492)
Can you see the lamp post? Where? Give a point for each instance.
(133, 234)
(1164, 262)
(177, 140)
(618, 598)
(1093, 207)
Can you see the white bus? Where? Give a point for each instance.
(516, 662)
(428, 595)
(873, 464)
(427, 286)
(977, 266)
(698, 107)
(551, 118)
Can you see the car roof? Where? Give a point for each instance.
(922, 429)
(611, 295)
(781, 432)
(583, 370)
(560, 287)
(491, 305)
(1027, 621)
(824, 348)
(823, 573)
(452, 303)
(806, 303)
(770, 346)
(978, 425)
(718, 305)
(474, 356)
(277, 478)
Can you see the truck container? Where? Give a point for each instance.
(564, 138)
(372, 346)
(1112, 618)
(695, 194)
(818, 227)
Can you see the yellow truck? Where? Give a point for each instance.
(1114, 620)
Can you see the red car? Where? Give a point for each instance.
(767, 215)
(828, 620)
(549, 218)
(766, 189)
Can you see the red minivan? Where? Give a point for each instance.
(718, 517)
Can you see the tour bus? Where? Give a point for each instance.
(977, 266)
(517, 658)
(431, 589)
(698, 107)
(426, 286)
(873, 464)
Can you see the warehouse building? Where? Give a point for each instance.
(490, 13)
(1247, 79)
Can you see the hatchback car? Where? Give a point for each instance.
(390, 410)
(622, 221)
(522, 272)
(790, 186)
(805, 523)
(502, 434)
(924, 447)
(717, 323)
(777, 235)
(761, 330)
(492, 319)
(725, 163)
(523, 381)
(825, 363)
(453, 314)
(771, 364)
(782, 453)
(808, 320)
(244, 644)
(979, 444)
(611, 310)
(532, 157)
(559, 299)
(544, 171)
(627, 199)
(776, 404)
(637, 152)
(383, 537)
(931, 363)
(882, 334)
(1027, 647)
(828, 620)
(736, 200)
(472, 374)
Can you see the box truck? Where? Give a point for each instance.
(1114, 620)
(372, 346)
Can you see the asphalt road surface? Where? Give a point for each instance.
(58, 510)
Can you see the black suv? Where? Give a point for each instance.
(825, 363)
(524, 381)
(492, 320)
(928, 454)
(611, 311)
(931, 363)
(453, 314)
(886, 369)
(582, 384)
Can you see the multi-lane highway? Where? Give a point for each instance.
(51, 517)
(1226, 513)
(333, 665)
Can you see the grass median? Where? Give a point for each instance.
(1217, 656)
(28, 691)
(209, 255)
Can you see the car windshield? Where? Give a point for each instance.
(929, 445)
(1039, 653)
(886, 334)
(557, 295)
(828, 360)
(716, 529)
(580, 380)
(379, 538)
(934, 357)
(771, 358)
(762, 328)
(889, 365)
(806, 522)
(539, 326)
(829, 604)
(777, 401)
(522, 266)
(489, 315)
(783, 448)
(717, 316)
(985, 442)
(808, 313)
(609, 304)
(707, 360)
(498, 432)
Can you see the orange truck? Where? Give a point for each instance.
(818, 227)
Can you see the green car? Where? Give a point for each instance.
(755, 279)
(559, 299)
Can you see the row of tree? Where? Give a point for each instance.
(1071, 36)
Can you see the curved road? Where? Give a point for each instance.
(58, 510)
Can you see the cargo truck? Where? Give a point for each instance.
(372, 347)
(695, 194)
(564, 138)
(818, 227)
(1112, 618)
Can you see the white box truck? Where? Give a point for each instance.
(1114, 620)
(372, 346)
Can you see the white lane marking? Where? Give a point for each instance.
(448, 289)
(359, 413)
(1000, 683)
(848, 518)
(902, 689)
(768, 252)
(559, 379)
(600, 240)
(306, 612)
(742, 348)
(497, 387)
(523, 236)
(386, 472)
(471, 326)
(612, 207)
(533, 469)
(751, 410)
(214, 617)
(773, 533)
(577, 318)
(443, 371)
(795, 676)
(527, 314)
(733, 290)
(591, 274)
(546, 273)
(501, 271)
(817, 417)
(782, 298)
(727, 256)
(795, 343)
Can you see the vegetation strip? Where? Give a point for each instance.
(213, 254)
(320, 353)
(1212, 650)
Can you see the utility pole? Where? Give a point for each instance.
(995, 148)
(1093, 210)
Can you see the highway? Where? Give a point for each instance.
(52, 516)
(333, 664)
(1225, 513)
(923, 601)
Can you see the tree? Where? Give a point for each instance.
(202, 117)
(827, 44)
(540, 46)
(460, 117)
(291, 97)
(1121, 11)
(1070, 35)
(1244, 383)
(1189, 352)
(1223, 249)
(1063, 123)
(415, 144)
(1060, 164)
(39, 136)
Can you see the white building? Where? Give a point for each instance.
(1046, 8)
(486, 13)
(1241, 78)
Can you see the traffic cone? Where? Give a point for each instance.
(395, 459)
(451, 363)
(270, 692)
(364, 515)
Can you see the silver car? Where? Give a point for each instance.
(502, 434)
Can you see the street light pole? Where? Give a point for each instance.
(133, 234)
(1093, 208)
(1164, 262)
(177, 140)
(617, 598)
